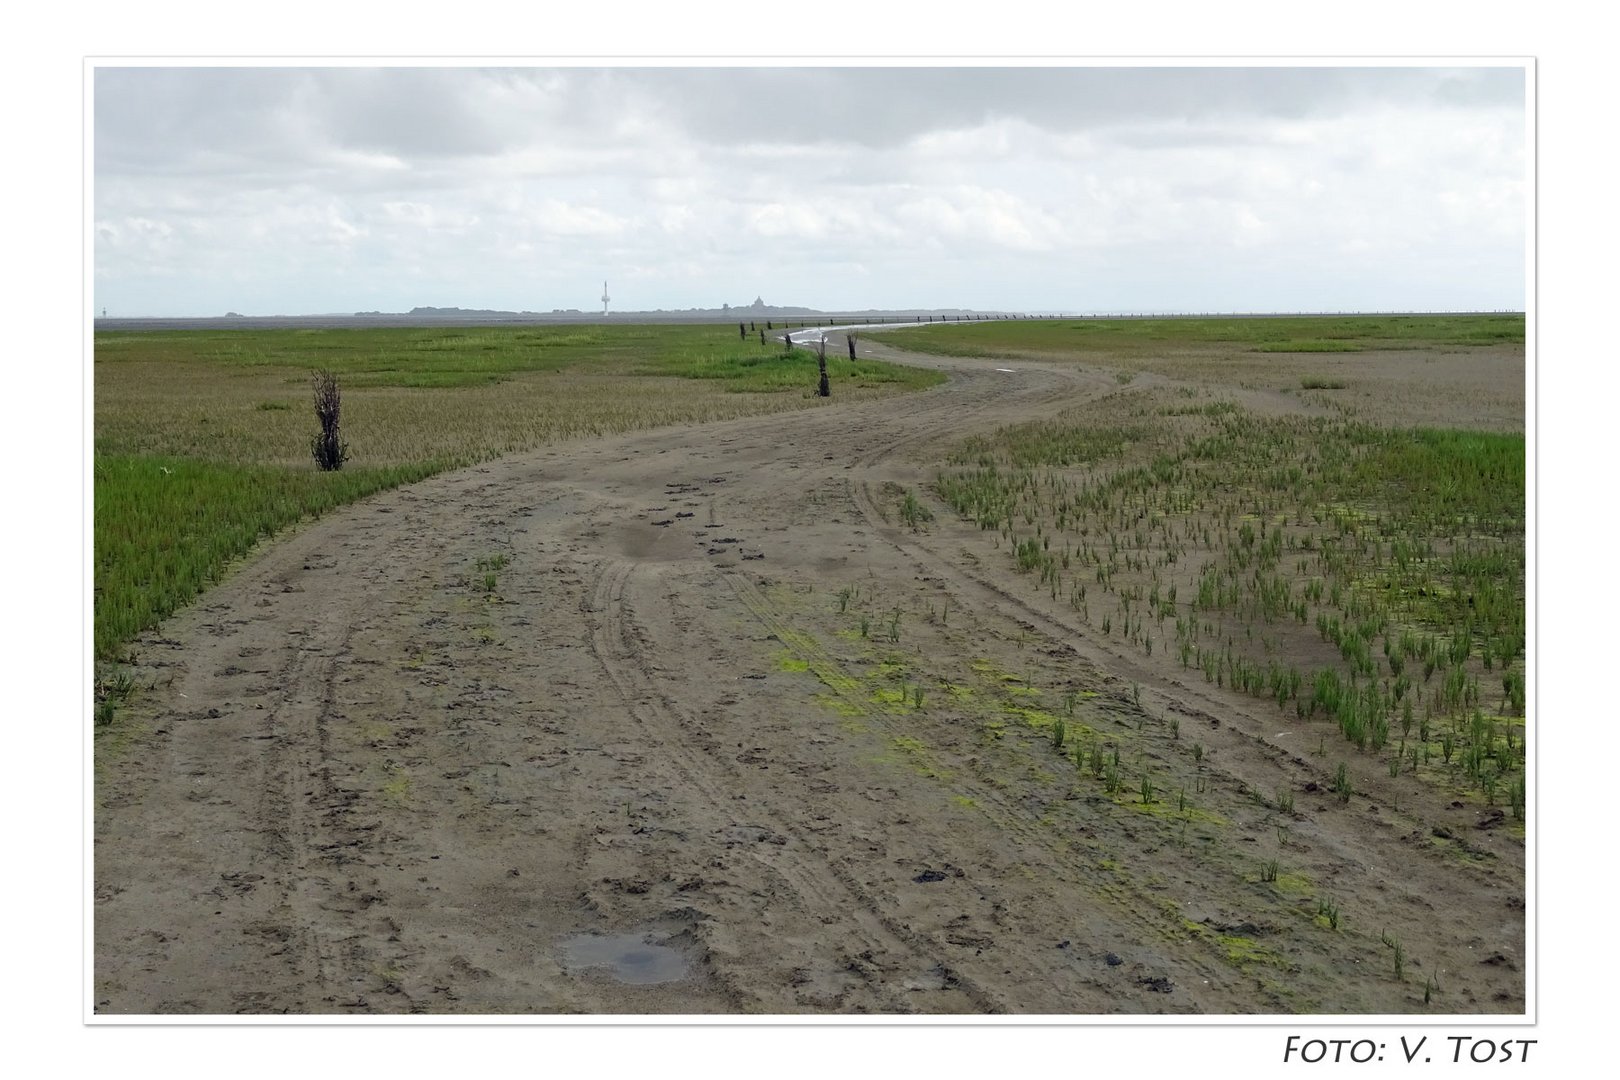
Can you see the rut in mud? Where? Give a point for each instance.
(585, 731)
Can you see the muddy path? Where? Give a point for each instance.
(692, 722)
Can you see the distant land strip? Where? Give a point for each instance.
(454, 317)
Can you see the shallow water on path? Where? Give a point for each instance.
(628, 958)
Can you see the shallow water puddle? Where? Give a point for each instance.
(629, 958)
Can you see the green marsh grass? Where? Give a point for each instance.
(1341, 783)
(1403, 547)
(1068, 337)
(202, 437)
(165, 528)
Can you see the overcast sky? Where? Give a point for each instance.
(306, 190)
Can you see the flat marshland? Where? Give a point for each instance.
(202, 439)
(1155, 666)
(1276, 532)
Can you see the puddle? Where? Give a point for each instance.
(932, 979)
(629, 958)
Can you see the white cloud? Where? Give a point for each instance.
(566, 219)
(380, 186)
(676, 218)
(422, 216)
(977, 216)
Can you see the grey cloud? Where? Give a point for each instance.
(392, 187)
(147, 117)
(1183, 135)
(143, 114)
(882, 106)
(165, 117)
(427, 113)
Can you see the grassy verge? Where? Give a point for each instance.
(748, 369)
(449, 358)
(1351, 333)
(202, 437)
(1371, 577)
(165, 527)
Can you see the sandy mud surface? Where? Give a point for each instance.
(597, 730)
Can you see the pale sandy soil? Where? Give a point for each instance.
(370, 786)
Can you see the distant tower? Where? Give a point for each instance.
(604, 298)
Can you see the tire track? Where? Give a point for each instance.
(292, 791)
(986, 392)
(979, 594)
(284, 819)
(987, 598)
(308, 817)
(1125, 906)
(873, 933)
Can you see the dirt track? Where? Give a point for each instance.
(374, 786)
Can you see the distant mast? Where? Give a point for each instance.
(604, 298)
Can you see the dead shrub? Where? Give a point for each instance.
(330, 451)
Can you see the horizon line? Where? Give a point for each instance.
(578, 314)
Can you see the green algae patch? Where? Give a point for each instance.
(835, 704)
(398, 785)
(1293, 884)
(1046, 721)
(893, 699)
(850, 696)
(797, 641)
(833, 679)
(1166, 810)
(992, 674)
(1237, 950)
(1035, 718)
(916, 754)
(1243, 952)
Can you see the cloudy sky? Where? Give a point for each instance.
(311, 190)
